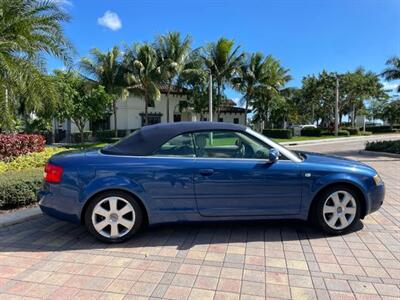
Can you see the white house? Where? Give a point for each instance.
(130, 113)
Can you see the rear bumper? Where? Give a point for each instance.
(53, 206)
(376, 196)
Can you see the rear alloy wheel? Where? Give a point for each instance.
(338, 210)
(113, 217)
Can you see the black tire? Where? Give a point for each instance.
(138, 222)
(317, 216)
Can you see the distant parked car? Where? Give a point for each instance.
(303, 126)
(204, 171)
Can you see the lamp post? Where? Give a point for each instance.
(210, 99)
(337, 108)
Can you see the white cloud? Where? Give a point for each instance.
(390, 85)
(110, 20)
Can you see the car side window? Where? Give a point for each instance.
(229, 144)
(181, 145)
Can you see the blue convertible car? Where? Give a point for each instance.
(203, 171)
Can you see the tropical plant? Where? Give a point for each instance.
(269, 92)
(174, 55)
(107, 70)
(222, 60)
(80, 100)
(392, 72)
(28, 29)
(252, 75)
(143, 73)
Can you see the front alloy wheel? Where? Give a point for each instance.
(113, 217)
(338, 210)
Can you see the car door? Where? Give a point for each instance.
(233, 177)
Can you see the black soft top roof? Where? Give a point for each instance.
(149, 138)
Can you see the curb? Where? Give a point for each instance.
(19, 216)
(341, 139)
(387, 154)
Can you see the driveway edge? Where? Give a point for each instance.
(19, 216)
(394, 155)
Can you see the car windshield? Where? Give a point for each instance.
(288, 153)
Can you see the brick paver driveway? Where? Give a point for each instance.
(45, 258)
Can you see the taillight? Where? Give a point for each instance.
(52, 173)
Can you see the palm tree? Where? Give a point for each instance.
(222, 60)
(174, 55)
(143, 73)
(271, 89)
(392, 72)
(107, 69)
(252, 75)
(28, 29)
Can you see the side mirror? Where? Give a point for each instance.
(273, 155)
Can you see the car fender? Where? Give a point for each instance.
(317, 185)
(102, 184)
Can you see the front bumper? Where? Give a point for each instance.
(376, 195)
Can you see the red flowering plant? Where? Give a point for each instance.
(13, 145)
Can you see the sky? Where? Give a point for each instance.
(307, 36)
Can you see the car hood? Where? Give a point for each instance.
(332, 160)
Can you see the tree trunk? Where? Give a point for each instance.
(82, 136)
(146, 105)
(115, 118)
(245, 113)
(168, 92)
(219, 101)
(353, 116)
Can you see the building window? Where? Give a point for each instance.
(153, 118)
(99, 125)
(236, 120)
(220, 119)
(151, 103)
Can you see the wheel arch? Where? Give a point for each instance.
(130, 193)
(353, 186)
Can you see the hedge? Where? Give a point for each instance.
(311, 132)
(19, 188)
(278, 133)
(109, 134)
(340, 132)
(76, 137)
(379, 129)
(30, 161)
(352, 131)
(384, 146)
(13, 145)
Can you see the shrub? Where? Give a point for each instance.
(384, 146)
(109, 134)
(76, 137)
(396, 126)
(343, 133)
(19, 188)
(30, 161)
(13, 145)
(278, 133)
(379, 129)
(311, 132)
(352, 131)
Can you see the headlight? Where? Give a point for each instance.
(378, 179)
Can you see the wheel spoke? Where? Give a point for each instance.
(114, 230)
(333, 220)
(123, 211)
(329, 209)
(113, 204)
(350, 210)
(346, 199)
(343, 221)
(101, 211)
(100, 226)
(335, 199)
(126, 223)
